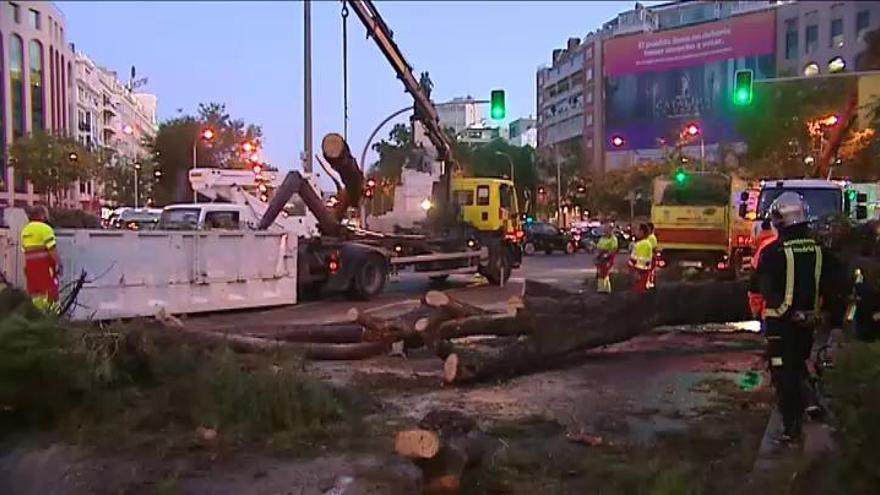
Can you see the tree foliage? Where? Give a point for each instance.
(172, 148)
(52, 163)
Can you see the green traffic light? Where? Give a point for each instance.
(742, 87)
(680, 176)
(497, 108)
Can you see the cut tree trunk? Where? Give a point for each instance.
(564, 323)
(445, 444)
(347, 333)
(496, 324)
(316, 351)
(458, 309)
(393, 329)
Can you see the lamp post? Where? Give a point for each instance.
(207, 135)
(137, 173)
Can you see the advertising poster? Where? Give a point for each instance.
(656, 83)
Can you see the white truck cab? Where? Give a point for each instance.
(206, 216)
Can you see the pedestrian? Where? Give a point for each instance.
(42, 264)
(641, 260)
(765, 236)
(607, 247)
(796, 278)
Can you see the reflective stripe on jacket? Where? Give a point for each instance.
(790, 248)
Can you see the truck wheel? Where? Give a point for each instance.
(498, 269)
(369, 279)
(529, 248)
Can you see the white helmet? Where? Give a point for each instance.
(789, 209)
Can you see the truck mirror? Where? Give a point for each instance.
(743, 210)
(861, 198)
(744, 196)
(861, 212)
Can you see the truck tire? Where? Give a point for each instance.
(369, 279)
(499, 267)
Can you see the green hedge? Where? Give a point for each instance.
(855, 396)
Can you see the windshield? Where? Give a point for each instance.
(696, 190)
(823, 203)
(179, 219)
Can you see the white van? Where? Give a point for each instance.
(206, 216)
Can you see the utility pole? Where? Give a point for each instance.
(558, 194)
(307, 87)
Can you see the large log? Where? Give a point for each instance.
(496, 324)
(564, 322)
(392, 329)
(316, 351)
(345, 333)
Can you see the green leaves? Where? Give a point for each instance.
(52, 163)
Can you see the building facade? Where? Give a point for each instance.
(112, 121)
(569, 105)
(523, 132)
(823, 37)
(459, 114)
(36, 85)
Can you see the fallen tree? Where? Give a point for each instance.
(559, 323)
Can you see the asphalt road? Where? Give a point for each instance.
(404, 291)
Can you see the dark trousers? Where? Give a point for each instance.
(788, 348)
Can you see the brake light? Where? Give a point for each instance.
(721, 265)
(333, 264)
(520, 234)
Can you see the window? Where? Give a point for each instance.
(38, 114)
(482, 195)
(506, 196)
(791, 39)
(590, 74)
(837, 33)
(590, 143)
(588, 119)
(16, 81)
(863, 21)
(16, 12)
(34, 18)
(227, 220)
(463, 197)
(812, 38)
(589, 97)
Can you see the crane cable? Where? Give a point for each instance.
(345, 70)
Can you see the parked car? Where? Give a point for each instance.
(541, 236)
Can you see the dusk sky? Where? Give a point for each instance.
(249, 55)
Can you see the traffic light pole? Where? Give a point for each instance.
(307, 87)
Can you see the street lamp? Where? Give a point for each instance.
(509, 160)
(137, 169)
(206, 135)
(693, 130)
(72, 156)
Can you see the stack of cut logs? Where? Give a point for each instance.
(545, 325)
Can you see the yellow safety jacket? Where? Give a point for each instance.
(653, 240)
(608, 243)
(37, 238)
(642, 255)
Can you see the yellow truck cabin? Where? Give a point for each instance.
(488, 204)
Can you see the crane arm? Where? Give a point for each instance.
(425, 110)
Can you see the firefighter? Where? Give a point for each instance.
(795, 277)
(607, 247)
(42, 264)
(764, 237)
(641, 260)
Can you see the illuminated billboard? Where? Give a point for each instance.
(656, 83)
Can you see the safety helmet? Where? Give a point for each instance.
(788, 210)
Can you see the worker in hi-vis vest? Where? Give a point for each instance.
(607, 250)
(641, 261)
(42, 265)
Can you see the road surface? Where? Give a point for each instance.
(404, 291)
